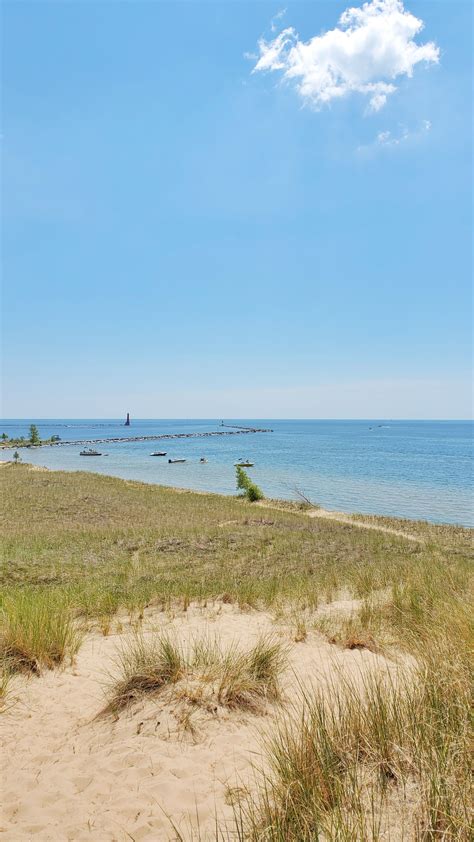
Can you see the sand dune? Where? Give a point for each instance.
(70, 775)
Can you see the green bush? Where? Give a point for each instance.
(251, 491)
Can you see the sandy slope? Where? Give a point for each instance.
(68, 775)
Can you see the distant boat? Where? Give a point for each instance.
(244, 464)
(172, 461)
(159, 453)
(202, 459)
(89, 452)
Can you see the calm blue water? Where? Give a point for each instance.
(415, 469)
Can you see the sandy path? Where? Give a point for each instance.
(70, 776)
(340, 517)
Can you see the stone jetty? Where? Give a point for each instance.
(238, 432)
(246, 429)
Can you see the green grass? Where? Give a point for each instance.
(79, 547)
(104, 544)
(36, 630)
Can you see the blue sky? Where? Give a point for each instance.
(183, 237)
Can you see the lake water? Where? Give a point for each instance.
(414, 469)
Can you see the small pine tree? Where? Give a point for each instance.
(4, 436)
(16, 457)
(34, 435)
(242, 478)
(251, 491)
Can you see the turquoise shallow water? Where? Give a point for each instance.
(415, 469)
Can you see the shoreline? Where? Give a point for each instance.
(313, 510)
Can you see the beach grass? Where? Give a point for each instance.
(36, 630)
(102, 544)
(144, 668)
(205, 673)
(354, 761)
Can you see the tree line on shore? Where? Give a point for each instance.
(33, 439)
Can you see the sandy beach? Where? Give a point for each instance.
(136, 775)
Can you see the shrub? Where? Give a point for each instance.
(251, 491)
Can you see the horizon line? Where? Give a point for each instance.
(229, 418)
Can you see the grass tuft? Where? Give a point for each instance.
(249, 678)
(37, 631)
(233, 678)
(145, 667)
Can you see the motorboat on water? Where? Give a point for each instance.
(159, 453)
(244, 464)
(88, 451)
(203, 459)
(172, 461)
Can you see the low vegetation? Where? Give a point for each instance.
(37, 631)
(206, 673)
(144, 668)
(386, 758)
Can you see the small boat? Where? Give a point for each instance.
(172, 461)
(159, 453)
(244, 464)
(202, 459)
(89, 452)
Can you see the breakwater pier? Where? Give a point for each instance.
(245, 429)
(238, 432)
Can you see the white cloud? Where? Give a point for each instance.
(371, 47)
(388, 139)
(279, 15)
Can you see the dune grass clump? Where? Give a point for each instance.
(207, 674)
(145, 666)
(37, 631)
(249, 678)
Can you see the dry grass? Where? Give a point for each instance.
(145, 667)
(206, 674)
